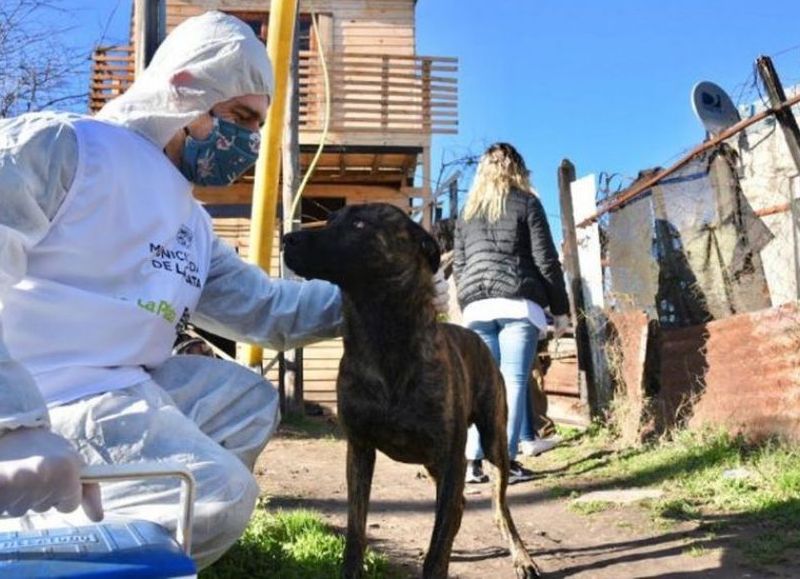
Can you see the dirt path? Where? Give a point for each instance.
(301, 472)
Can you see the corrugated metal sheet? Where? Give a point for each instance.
(742, 372)
(628, 344)
(626, 350)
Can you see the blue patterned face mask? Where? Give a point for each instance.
(222, 157)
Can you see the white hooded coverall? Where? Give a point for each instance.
(86, 207)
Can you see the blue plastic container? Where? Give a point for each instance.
(139, 549)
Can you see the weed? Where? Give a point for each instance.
(558, 492)
(770, 547)
(590, 507)
(296, 425)
(677, 508)
(290, 545)
(696, 551)
(709, 476)
(624, 525)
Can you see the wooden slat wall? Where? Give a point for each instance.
(379, 26)
(320, 367)
(112, 74)
(387, 94)
(373, 26)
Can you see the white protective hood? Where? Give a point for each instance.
(223, 58)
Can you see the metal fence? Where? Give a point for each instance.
(715, 237)
(686, 282)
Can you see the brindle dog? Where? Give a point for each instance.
(408, 386)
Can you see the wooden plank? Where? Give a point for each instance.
(348, 99)
(356, 119)
(108, 68)
(404, 33)
(310, 135)
(313, 66)
(116, 82)
(309, 87)
(314, 90)
(347, 109)
(353, 74)
(330, 364)
(355, 56)
(235, 194)
(391, 130)
(105, 57)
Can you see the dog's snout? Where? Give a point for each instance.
(290, 239)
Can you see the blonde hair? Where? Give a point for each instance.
(500, 170)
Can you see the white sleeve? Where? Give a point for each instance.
(241, 302)
(38, 159)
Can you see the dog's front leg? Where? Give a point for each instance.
(360, 466)
(449, 479)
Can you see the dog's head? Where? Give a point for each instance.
(362, 244)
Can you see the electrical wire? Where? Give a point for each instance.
(326, 123)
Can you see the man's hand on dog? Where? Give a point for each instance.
(441, 294)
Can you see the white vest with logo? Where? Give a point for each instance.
(119, 272)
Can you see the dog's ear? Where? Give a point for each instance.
(428, 244)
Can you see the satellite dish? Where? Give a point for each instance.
(713, 107)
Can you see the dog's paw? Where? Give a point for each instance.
(528, 571)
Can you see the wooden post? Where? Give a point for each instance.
(149, 28)
(566, 175)
(428, 205)
(385, 94)
(453, 192)
(791, 132)
(427, 195)
(291, 374)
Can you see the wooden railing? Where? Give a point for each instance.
(380, 93)
(112, 74)
(370, 93)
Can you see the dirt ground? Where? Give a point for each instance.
(299, 471)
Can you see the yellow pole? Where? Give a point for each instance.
(265, 189)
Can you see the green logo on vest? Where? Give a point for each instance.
(161, 308)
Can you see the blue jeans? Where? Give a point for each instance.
(513, 345)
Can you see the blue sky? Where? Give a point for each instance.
(605, 83)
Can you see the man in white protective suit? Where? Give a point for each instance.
(104, 257)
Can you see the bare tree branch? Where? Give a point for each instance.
(39, 68)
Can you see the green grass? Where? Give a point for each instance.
(696, 551)
(289, 545)
(771, 547)
(760, 513)
(590, 507)
(690, 469)
(296, 425)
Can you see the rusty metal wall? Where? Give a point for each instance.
(742, 373)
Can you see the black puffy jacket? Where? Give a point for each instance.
(512, 258)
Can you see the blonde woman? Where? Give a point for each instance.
(507, 271)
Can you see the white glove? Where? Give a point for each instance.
(40, 470)
(441, 293)
(560, 325)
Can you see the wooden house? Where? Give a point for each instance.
(386, 102)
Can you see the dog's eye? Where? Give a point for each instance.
(358, 224)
